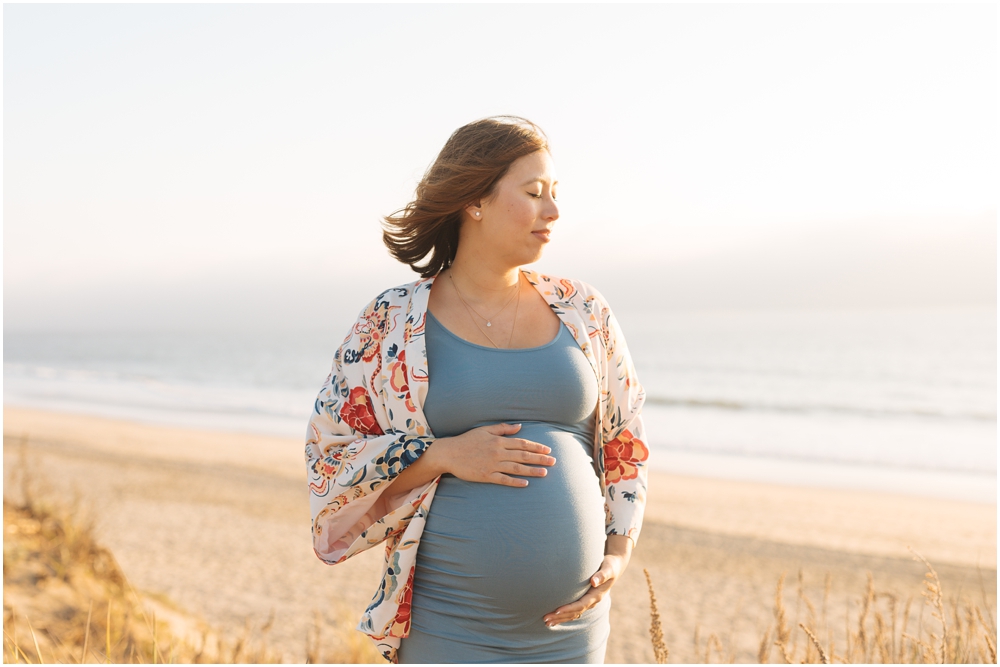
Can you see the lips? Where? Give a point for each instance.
(542, 234)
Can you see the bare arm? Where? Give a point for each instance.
(483, 454)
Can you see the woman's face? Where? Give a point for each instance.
(514, 225)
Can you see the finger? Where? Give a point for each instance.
(556, 619)
(506, 480)
(588, 600)
(522, 456)
(502, 429)
(512, 468)
(604, 575)
(560, 620)
(526, 445)
(574, 610)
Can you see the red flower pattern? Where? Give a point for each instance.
(620, 456)
(401, 624)
(398, 379)
(357, 413)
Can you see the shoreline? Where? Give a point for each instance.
(823, 517)
(923, 482)
(219, 523)
(711, 504)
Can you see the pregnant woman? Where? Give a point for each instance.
(483, 421)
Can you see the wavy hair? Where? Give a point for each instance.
(475, 157)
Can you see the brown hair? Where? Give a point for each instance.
(475, 157)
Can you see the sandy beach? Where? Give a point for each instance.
(219, 523)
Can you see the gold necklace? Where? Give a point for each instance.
(489, 320)
(483, 331)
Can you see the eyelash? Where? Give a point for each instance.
(540, 196)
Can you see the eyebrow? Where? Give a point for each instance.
(538, 180)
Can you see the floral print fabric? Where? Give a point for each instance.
(368, 425)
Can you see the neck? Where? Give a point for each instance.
(482, 277)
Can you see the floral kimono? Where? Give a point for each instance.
(368, 425)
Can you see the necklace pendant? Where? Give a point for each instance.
(489, 324)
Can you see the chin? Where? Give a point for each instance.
(531, 258)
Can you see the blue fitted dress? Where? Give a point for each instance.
(493, 560)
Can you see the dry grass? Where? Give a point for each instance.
(66, 600)
(879, 634)
(655, 629)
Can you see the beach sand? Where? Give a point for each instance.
(219, 523)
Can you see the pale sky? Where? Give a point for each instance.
(187, 166)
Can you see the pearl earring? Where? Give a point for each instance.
(477, 214)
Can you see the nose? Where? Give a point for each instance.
(551, 212)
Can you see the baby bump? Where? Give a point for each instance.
(506, 552)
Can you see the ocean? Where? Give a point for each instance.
(901, 401)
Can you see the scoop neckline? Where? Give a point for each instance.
(494, 349)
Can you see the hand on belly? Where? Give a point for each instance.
(528, 549)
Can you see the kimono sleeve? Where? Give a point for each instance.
(625, 450)
(352, 453)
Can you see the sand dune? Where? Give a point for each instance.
(219, 522)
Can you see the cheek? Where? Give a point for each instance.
(521, 213)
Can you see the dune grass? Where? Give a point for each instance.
(67, 600)
(958, 633)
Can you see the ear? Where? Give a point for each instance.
(475, 210)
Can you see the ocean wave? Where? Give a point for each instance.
(722, 404)
(787, 456)
(193, 407)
